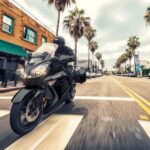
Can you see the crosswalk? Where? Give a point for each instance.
(52, 134)
(4, 112)
(56, 131)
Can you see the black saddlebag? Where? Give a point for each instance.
(80, 75)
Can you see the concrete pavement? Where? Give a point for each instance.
(112, 118)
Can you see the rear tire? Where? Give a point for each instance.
(15, 118)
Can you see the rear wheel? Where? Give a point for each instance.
(23, 116)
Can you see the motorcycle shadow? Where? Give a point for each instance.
(68, 109)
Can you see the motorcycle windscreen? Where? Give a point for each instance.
(48, 48)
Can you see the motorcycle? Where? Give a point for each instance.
(48, 84)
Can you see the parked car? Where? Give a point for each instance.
(132, 74)
(99, 74)
(88, 74)
(93, 74)
(149, 75)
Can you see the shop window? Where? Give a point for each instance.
(29, 35)
(7, 25)
(44, 39)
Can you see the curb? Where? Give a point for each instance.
(10, 89)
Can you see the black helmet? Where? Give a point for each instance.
(59, 40)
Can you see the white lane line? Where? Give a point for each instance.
(146, 126)
(88, 98)
(104, 98)
(54, 134)
(4, 112)
(5, 97)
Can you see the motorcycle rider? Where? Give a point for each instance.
(64, 50)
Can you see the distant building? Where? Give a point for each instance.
(83, 63)
(20, 32)
(145, 64)
(93, 68)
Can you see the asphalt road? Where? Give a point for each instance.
(115, 111)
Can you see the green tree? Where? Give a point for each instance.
(133, 42)
(75, 23)
(147, 16)
(119, 62)
(102, 63)
(89, 33)
(129, 53)
(93, 46)
(60, 6)
(124, 59)
(98, 55)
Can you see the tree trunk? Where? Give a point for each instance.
(98, 65)
(58, 21)
(125, 67)
(130, 65)
(76, 41)
(88, 59)
(93, 61)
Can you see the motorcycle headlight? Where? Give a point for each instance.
(21, 73)
(40, 70)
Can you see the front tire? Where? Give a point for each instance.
(20, 120)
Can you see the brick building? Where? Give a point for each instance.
(20, 32)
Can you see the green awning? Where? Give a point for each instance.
(12, 49)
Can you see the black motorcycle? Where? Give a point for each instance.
(48, 84)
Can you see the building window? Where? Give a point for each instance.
(44, 39)
(29, 35)
(7, 25)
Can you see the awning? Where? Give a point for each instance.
(12, 49)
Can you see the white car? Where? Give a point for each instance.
(88, 74)
(93, 74)
(149, 75)
(99, 74)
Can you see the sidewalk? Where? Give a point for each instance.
(10, 87)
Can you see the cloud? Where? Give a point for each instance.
(114, 20)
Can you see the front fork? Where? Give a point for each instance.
(37, 100)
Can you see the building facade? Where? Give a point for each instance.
(145, 64)
(19, 33)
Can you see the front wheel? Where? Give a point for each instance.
(23, 116)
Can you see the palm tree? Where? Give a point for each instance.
(119, 62)
(75, 23)
(102, 63)
(93, 46)
(117, 65)
(89, 33)
(98, 56)
(124, 59)
(133, 43)
(129, 53)
(60, 6)
(147, 16)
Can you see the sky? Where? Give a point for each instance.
(114, 20)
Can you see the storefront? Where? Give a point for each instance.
(11, 56)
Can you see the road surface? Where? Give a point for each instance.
(108, 113)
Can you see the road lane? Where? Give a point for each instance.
(139, 85)
(103, 86)
(107, 123)
(142, 102)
